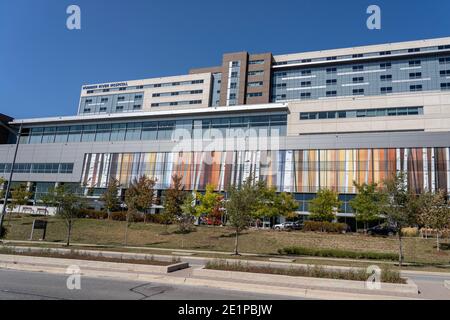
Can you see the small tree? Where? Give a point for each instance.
(2, 185)
(68, 205)
(173, 201)
(272, 204)
(366, 204)
(210, 203)
(188, 213)
(19, 197)
(399, 205)
(324, 205)
(139, 197)
(434, 212)
(111, 196)
(241, 205)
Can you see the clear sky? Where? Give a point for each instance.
(43, 64)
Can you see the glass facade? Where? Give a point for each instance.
(150, 130)
(362, 113)
(112, 103)
(361, 79)
(296, 171)
(62, 168)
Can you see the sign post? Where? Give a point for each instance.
(39, 224)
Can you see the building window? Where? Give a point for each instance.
(332, 93)
(414, 63)
(445, 86)
(385, 53)
(138, 97)
(386, 65)
(358, 68)
(90, 91)
(359, 55)
(122, 89)
(331, 70)
(362, 113)
(256, 62)
(414, 50)
(415, 75)
(385, 90)
(331, 82)
(357, 92)
(234, 74)
(331, 58)
(121, 98)
(119, 108)
(444, 60)
(416, 87)
(104, 100)
(444, 47)
(256, 73)
(102, 109)
(254, 94)
(386, 77)
(444, 73)
(306, 72)
(87, 110)
(136, 107)
(305, 95)
(139, 87)
(255, 84)
(358, 80)
(105, 90)
(305, 84)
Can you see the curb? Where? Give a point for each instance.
(308, 282)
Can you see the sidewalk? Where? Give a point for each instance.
(191, 254)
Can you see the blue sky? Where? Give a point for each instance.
(43, 64)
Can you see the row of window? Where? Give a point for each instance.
(176, 103)
(156, 85)
(176, 93)
(361, 113)
(154, 130)
(361, 55)
(63, 168)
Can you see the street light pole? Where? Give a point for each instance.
(8, 188)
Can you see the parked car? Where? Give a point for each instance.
(287, 226)
(382, 230)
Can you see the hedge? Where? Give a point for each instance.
(337, 253)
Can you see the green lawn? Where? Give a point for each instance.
(222, 238)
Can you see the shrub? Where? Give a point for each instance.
(3, 232)
(336, 253)
(410, 232)
(309, 271)
(324, 226)
(119, 216)
(93, 214)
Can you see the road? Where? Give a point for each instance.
(430, 286)
(20, 285)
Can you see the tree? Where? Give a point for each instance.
(68, 206)
(111, 196)
(434, 212)
(188, 212)
(272, 204)
(19, 197)
(399, 205)
(324, 205)
(2, 185)
(242, 203)
(173, 200)
(366, 204)
(139, 197)
(210, 204)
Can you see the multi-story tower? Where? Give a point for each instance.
(338, 116)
